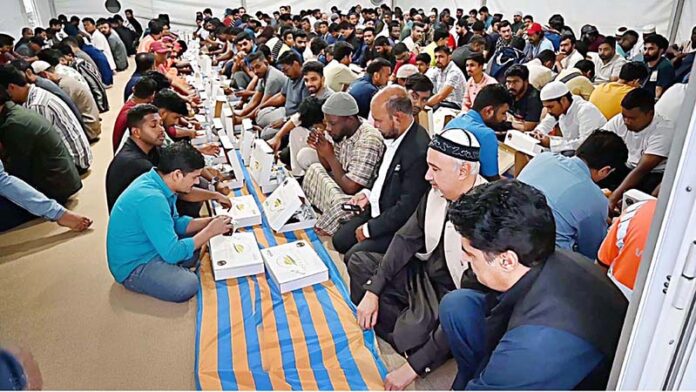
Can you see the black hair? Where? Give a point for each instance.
(439, 34)
(586, 66)
(258, 55)
(529, 17)
(633, 70)
(11, 75)
(492, 95)
(611, 41)
(65, 49)
(88, 20)
(180, 156)
(506, 215)
(144, 88)
(369, 28)
(376, 65)
(518, 43)
(419, 83)
(657, 40)
(169, 100)
(341, 50)
(603, 148)
(483, 9)
(504, 23)
(639, 98)
(288, 58)
(137, 114)
(518, 70)
(144, 62)
(54, 22)
(155, 27)
(477, 57)
(478, 26)
(317, 45)
(37, 40)
(243, 36)
(632, 33)
(51, 56)
(424, 57)
(6, 40)
(399, 49)
(477, 39)
(346, 25)
(22, 65)
(313, 66)
(570, 37)
(299, 34)
(310, 111)
(443, 49)
(546, 56)
(102, 21)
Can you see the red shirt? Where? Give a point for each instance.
(411, 60)
(120, 125)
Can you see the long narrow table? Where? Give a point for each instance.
(250, 336)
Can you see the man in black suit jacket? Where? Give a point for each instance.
(400, 183)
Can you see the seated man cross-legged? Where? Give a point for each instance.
(420, 266)
(343, 167)
(150, 248)
(547, 319)
(400, 181)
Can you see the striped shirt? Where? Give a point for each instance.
(57, 113)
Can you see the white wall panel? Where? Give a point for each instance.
(12, 17)
(607, 15)
(687, 21)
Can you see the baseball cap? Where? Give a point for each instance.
(159, 47)
(553, 90)
(535, 28)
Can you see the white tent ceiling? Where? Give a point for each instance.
(606, 15)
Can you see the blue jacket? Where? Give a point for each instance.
(473, 122)
(363, 90)
(107, 75)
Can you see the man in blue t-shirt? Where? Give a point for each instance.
(489, 109)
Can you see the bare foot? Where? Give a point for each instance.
(74, 221)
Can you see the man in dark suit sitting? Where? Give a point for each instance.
(400, 182)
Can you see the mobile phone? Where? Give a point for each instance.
(350, 207)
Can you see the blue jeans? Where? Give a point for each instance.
(462, 316)
(168, 282)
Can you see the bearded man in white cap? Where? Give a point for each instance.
(347, 161)
(574, 117)
(398, 292)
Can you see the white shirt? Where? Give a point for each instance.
(539, 75)
(604, 72)
(581, 119)
(572, 59)
(100, 42)
(408, 41)
(671, 101)
(655, 139)
(376, 192)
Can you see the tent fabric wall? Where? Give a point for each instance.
(687, 21)
(13, 17)
(606, 15)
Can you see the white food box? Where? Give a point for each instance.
(247, 140)
(235, 256)
(228, 119)
(244, 211)
(233, 160)
(261, 166)
(294, 266)
(228, 142)
(287, 208)
(523, 143)
(215, 160)
(201, 138)
(633, 196)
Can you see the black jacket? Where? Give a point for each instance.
(405, 183)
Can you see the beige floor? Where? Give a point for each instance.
(60, 302)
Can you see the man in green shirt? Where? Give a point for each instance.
(32, 150)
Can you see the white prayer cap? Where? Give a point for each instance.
(517, 13)
(457, 143)
(620, 31)
(40, 66)
(553, 90)
(649, 29)
(406, 70)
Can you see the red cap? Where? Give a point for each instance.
(535, 29)
(159, 47)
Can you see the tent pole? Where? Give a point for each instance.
(675, 19)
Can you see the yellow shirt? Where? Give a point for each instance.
(430, 50)
(608, 96)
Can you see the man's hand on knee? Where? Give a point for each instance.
(368, 310)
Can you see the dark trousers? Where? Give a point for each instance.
(462, 317)
(647, 185)
(393, 299)
(12, 215)
(345, 243)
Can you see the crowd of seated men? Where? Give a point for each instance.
(446, 254)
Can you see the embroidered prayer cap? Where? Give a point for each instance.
(553, 90)
(457, 143)
(340, 104)
(406, 70)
